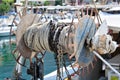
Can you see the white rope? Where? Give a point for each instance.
(63, 38)
(103, 60)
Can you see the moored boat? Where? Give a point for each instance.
(111, 19)
(5, 26)
(5, 31)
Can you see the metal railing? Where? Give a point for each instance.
(105, 62)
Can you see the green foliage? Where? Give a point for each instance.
(46, 3)
(4, 8)
(5, 52)
(58, 2)
(8, 1)
(32, 3)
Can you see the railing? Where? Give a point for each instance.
(105, 62)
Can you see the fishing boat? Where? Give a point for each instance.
(112, 10)
(30, 34)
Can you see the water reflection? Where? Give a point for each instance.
(6, 41)
(6, 60)
(5, 49)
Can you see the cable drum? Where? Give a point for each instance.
(63, 39)
(60, 39)
(77, 39)
(40, 37)
(34, 37)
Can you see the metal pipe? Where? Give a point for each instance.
(105, 62)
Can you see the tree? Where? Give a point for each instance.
(46, 3)
(8, 1)
(58, 2)
(4, 8)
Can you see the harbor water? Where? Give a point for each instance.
(7, 62)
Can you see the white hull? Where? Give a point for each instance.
(5, 31)
(52, 75)
(113, 20)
